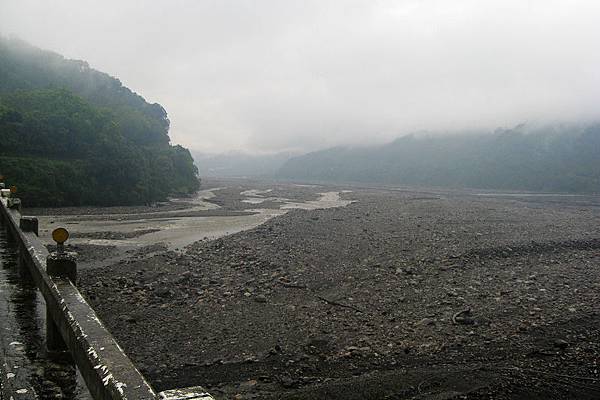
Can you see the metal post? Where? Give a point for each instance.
(14, 203)
(61, 265)
(29, 224)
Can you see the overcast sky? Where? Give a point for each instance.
(273, 75)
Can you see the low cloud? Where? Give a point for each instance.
(275, 75)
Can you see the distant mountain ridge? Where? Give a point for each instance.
(235, 164)
(556, 158)
(72, 135)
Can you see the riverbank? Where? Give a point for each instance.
(398, 294)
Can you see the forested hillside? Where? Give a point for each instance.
(553, 158)
(71, 135)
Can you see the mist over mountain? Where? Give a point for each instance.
(270, 76)
(71, 135)
(235, 164)
(556, 157)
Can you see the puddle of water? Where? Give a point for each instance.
(22, 342)
(255, 192)
(327, 200)
(255, 200)
(259, 200)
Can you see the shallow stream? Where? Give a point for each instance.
(176, 231)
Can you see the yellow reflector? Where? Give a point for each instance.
(13, 189)
(60, 235)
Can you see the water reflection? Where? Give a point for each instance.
(22, 323)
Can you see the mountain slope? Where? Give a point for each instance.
(553, 158)
(71, 135)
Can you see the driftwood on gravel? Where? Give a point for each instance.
(291, 285)
(463, 317)
(326, 300)
(335, 303)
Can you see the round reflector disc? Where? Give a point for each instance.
(60, 235)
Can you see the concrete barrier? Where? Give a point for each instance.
(74, 326)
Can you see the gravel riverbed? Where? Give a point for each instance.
(400, 294)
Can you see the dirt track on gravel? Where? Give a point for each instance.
(398, 295)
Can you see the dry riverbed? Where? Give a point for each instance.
(392, 294)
